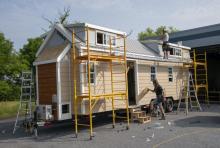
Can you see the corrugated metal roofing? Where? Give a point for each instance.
(134, 46)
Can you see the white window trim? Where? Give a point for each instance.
(65, 116)
(155, 71)
(95, 74)
(177, 56)
(106, 34)
(169, 74)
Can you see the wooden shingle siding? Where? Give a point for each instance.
(47, 83)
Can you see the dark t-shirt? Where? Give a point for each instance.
(158, 90)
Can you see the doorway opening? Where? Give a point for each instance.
(131, 83)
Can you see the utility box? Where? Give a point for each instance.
(44, 112)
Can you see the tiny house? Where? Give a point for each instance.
(54, 69)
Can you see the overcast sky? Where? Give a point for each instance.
(22, 19)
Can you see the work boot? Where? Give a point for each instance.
(163, 117)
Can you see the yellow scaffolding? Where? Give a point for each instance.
(112, 55)
(200, 74)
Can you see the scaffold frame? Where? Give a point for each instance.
(89, 57)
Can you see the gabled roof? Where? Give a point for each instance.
(62, 30)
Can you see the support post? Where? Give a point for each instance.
(74, 79)
(112, 88)
(126, 96)
(89, 84)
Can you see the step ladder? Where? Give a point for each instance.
(188, 96)
(24, 110)
(138, 115)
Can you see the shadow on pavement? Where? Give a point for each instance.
(199, 121)
(63, 131)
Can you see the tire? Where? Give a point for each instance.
(169, 105)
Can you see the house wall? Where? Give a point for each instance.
(82, 34)
(66, 86)
(103, 86)
(185, 54)
(144, 80)
(103, 83)
(172, 89)
(47, 86)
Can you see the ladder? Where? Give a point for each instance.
(25, 100)
(200, 74)
(188, 95)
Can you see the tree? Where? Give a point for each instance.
(10, 69)
(27, 53)
(62, 18)
(149, 32)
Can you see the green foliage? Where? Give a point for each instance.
(149, 32)
(27, 53)
(8, 91)
(10, 69)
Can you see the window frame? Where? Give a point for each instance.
(106, 37)
(93, 73)
(153, 74)
(170, 75)
(175, 52)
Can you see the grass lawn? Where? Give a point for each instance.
(9, 109)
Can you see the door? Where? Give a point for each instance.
(131, 83)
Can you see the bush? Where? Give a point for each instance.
(8, 91)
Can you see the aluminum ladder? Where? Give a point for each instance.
(188, 96)
(25, 100)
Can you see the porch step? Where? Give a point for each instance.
(145, 119)
(138, 115)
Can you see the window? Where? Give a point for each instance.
(92, 73)
(65, 108)
(99, 38)
(170, 74)
(175, 51)
(104, 39)
(153, 73)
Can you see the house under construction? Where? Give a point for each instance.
(82, 69)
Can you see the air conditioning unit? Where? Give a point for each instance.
(44, 112)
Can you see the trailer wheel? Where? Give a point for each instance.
(169, 105)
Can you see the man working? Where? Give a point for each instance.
(159, 100)
(165, 39)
